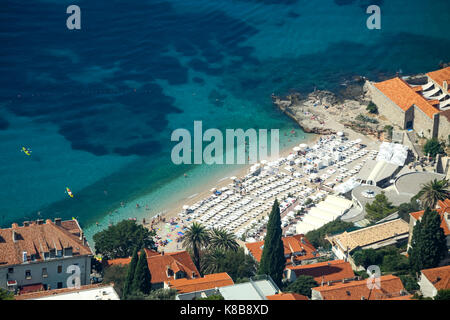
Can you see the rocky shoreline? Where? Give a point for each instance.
(324, 112)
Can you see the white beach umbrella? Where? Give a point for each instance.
(296, 149)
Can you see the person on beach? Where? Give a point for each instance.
(137, 206)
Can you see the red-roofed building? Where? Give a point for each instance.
(389, 287)
(297, 250)
(287, 296)
(443, 209)
(165, 267)
(38, 255)
(209, 281)
(322, 272)
(441, 78)
(433, 280)
(416, 107)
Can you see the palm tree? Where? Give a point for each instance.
(213, 261)
(434, 191)
(223, 240)
(196, 238)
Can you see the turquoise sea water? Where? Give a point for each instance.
(97, 105)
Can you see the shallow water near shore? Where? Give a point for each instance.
(97, 106)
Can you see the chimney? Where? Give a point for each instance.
(162, 252)
(26, 223)
(323, 281)
(58, 221)
(39, 221)
(15, 225)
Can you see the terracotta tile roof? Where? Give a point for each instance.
(31, 288)
(325, 271)
(370, 235)
(119, 261)
(439, 76)
(407, 297)
(439, 277)
(404, 96)
(292, 245)
(443, 207)
(37, 238)
(287, 296)
(209, 281)
(390, 287)
(158, 265)
(46, 293)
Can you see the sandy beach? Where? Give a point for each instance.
(160, 223)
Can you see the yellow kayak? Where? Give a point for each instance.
(69, 192)
(26, 151)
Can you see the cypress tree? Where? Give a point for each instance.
(273, 261)
(142, 278)
(130, 274)
(428, 243)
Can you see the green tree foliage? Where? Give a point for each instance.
(406, 208)
(127, 286)
(317, 237)
(380, 208)
(389, 130)
(409, 283)
(372, 108)
(432, 192)
(302, 285)
(366, 258)
(196, 238)
(433, 147)
(273, 261)
(443, 294)
(237, 264)
(428, 243)
(116, 274)
(223, 240)
(5, 295)
(389, 259)
(162, 294)
(142, 277)
(119, 240)
(393, 261)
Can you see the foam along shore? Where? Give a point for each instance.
(241, 205)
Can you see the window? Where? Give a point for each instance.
(59, 269)
(44, 273)
(10, 270)
(59, 285)
(28, 274)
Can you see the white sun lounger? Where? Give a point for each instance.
(427, 86)
(431, 92)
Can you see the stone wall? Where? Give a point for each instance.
(387, 108)
(444, 128)
(423, 124)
